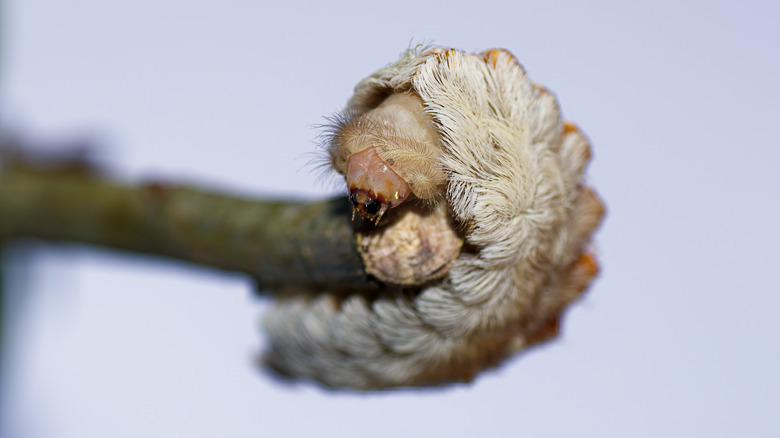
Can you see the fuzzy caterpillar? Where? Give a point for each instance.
(498, 180)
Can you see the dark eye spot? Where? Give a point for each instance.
(372, 206)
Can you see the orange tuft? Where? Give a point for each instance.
(446, 55)
(569, 127)
(492, 56)
(572, 129)
(587, 265)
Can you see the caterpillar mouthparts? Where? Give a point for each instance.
(373, 186)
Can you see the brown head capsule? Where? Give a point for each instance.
(387, 154)
(373, 185)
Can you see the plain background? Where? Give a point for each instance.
(680, 99)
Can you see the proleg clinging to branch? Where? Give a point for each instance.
(479, 227)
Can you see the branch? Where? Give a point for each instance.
(482, 266)
(282, 244)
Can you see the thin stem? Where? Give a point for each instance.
(3, 321)
(284, 245)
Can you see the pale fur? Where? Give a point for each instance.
(514, 184)
(422, 170)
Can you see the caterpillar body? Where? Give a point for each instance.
(489, 238)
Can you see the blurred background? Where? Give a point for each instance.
(677, 338)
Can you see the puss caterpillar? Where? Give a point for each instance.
(499, 170)
(387, 154)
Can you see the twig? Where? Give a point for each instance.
(301, 245)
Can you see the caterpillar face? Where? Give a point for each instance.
(373, 185)
(388, 154)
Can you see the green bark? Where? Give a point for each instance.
(284, 245)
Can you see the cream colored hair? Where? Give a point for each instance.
(514, 185)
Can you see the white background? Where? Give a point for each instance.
(680, 99)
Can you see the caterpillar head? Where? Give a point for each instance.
(388, 154)
(373, 186)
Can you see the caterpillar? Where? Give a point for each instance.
(490, 235)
